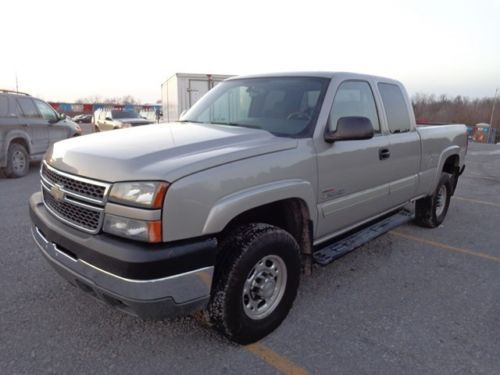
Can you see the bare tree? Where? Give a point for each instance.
(460, 109)
(124, 100)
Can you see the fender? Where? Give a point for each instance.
(13, 134)
(449, 151)
(230, 206)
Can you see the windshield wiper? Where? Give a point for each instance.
(193, 121)
(236, 124)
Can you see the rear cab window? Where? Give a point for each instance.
(396, 110)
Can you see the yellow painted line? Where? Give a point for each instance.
(443, 246)
(272, 358)
(477, 201)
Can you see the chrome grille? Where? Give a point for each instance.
(95, 191)
(81, 217)
(75, 200)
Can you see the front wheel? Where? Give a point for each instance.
(431, 211)
(18, 161)
(255, 282)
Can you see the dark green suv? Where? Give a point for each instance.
(28, 126)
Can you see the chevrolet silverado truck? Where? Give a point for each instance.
(220, 211)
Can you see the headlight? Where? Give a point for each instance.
(140, 194)
(140, 230)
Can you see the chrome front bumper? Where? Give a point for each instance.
(169, 296)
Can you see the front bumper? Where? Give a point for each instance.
(70, 252)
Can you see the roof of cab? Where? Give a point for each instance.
(329, 75)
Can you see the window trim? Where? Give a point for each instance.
(375, 132)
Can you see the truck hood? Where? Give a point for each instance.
(166, 151)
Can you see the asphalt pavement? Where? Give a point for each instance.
(414, 301)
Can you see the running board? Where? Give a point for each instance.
(340, 248)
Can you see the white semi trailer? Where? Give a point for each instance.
(182, 90)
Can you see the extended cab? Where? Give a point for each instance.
(219, 211)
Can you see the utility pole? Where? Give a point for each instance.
(492, 113)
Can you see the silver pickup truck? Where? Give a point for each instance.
(220, 211)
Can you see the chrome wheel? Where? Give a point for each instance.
(264, 287)
(441, 198)
(18, 161)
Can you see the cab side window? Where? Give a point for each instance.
(46, 110)
(4, 106)
(354, 98)
(28, 108)
(396, 110)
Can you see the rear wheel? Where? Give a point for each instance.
(431, 211)
(18, 161)
(255, 282)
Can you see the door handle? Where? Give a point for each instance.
(384, 153)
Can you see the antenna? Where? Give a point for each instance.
(17, 85)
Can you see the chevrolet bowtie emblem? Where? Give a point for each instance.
(57, 193)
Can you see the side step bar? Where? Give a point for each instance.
(341, 247)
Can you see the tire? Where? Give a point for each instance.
(249, 257)
(18, 161)
(431, 211)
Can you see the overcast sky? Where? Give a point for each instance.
(65, 50)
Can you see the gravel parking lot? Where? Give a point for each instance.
(412, 301)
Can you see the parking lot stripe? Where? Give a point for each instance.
(274, 359)
(445, 246)
(477, 201)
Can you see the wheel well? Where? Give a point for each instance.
(451, 164)
(291, 215)
(22, 142)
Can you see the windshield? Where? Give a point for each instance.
(286, 106)
(124, 114)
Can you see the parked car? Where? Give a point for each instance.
(83, 119)
(28, 126)
(220, 211)
(108, 119)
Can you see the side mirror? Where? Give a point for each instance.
(182, 113)
(350, 129)
(62, 116)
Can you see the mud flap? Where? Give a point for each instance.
(339, 248)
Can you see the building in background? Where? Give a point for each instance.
(182, 90)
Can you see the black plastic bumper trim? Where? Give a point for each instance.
(129, 259)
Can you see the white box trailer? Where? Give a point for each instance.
(182, 90)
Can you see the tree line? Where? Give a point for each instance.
(124, 100)
(458, 109)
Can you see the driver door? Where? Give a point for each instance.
(353, 178)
